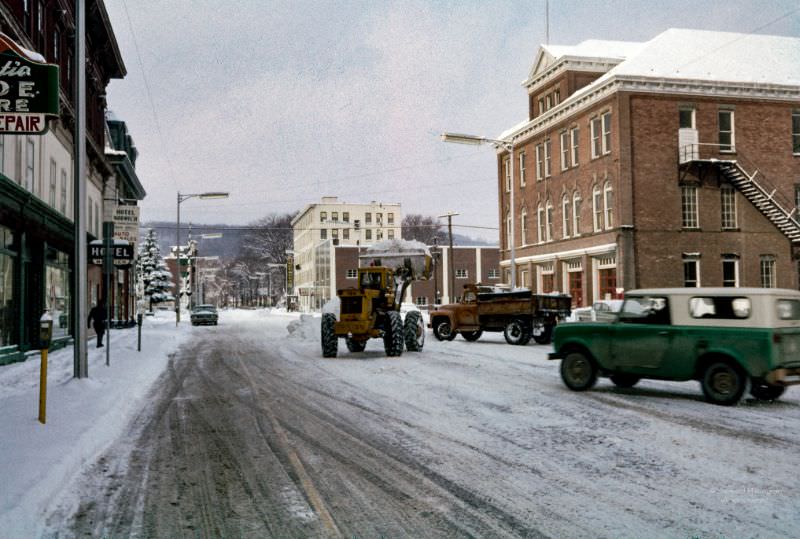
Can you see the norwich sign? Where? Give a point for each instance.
(28, 89)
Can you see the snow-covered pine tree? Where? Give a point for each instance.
(155, 275)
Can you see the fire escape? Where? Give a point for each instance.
(746, 178)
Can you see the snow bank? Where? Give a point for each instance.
(306, 328)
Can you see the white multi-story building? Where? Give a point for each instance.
(321, 226)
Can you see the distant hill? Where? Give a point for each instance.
(229, 245)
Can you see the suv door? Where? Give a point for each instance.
(643, 333)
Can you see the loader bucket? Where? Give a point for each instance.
(411, 258)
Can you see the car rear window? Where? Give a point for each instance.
(720, 307)
(788, 309)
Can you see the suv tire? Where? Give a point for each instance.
(764, 391)
(723, 383)
(578, 371)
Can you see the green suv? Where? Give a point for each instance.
(726, 338)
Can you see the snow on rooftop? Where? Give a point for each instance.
(595, 48)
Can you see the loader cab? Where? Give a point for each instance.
(372, 278)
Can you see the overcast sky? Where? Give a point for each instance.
(282, 102)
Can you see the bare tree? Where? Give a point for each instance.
(270, 240)
(424, 228)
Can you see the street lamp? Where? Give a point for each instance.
(452, 285)
(507, 145)
(181, 198)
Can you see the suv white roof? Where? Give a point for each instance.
(716, 291)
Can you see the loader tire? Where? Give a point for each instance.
(393, 334)
(414, 331)
(330, 343)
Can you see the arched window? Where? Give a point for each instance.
(597, 209)
(576, 213)
(608, 204)
(565, 215)
(508, 230)
(542, 224)
(523, 221)
(548, 217)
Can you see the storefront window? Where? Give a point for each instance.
(7, 307)
(57, 291)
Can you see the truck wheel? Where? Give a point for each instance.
(723, 383)
(443, 331)
(355, 346)
(414, 332)
(330, 343)
(764, 391)
(543, 333)
(517, 332)
(393, 334)
(472, 336)
(624, 380)
(578, 371)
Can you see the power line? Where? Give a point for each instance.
(223, 228)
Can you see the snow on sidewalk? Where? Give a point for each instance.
(83, 417)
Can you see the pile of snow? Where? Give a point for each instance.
(333, 306)
(306, 328)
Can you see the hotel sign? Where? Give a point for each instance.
(126, 223)
(28, 89)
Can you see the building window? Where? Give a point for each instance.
(323, 216)
(56, 44)
(573, 135)
(686, 118)
(508, 230)
(549, 218)
(691, 272)
(548, 102)
(564, 150)
(53, 179)
(608, 204)
(335, 216)
(507, 174)
(556, 97)
(390, 218)
(30, 159)
(547, 168)
(727, 141)
(597, 209)
(541, 105)
(797, 196)
(390, 234)
(63, 192)
(378, 218)
(335, 233)
(689, 210)
(379, 234)
(90, 209)
(421, 301)
(368, 218)
(728, 201)
(493, 274)
(539, 163)
(606, 133)
(352, 274)
(796, 132)
(730, 272)
(346, 234)
(607, 283)
(523, 221)
(522, 169)
(576, 213)
(368, 234)
(346, 216)
(767, 271)
(596, 148)
(565, 211)
(461, 274)
(323, 234)
(542, 225)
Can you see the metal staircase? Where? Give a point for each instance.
(755, 187)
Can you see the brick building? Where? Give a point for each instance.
(674, 162)
(470, 265)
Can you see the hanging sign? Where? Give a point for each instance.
(126, 223)
(28, 89)
(122, 254)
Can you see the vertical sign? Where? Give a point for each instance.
(289, 274)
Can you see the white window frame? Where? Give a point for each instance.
(390, 234)
(523, 222)
(548, 217)
(606, 131)
(493, 273)
(597, 209)
(577, 201)
(539, 163)
(608, 205)
(508, 229)
(30, 164)
(368, 235)
(540, 223)
(548, 169)
(565, 215)
(565, 150)
(421, 301)
(351, 274)
(796, 132)
(691, 262)
(541, 105)
(390, 218)
(64, 191)
(574, 141)
(735, 262)
(323, 217)
(767, 271)
(726, 148)
(522, 169)
(507, 173)
(728, 213)
(462, 274)
(51, 198)
(690, 214)
(594, 125)
(693, 117)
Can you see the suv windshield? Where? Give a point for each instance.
(645, 310)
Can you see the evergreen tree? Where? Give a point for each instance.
(155, 274)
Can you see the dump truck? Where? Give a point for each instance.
(371, 310)
(519, 314)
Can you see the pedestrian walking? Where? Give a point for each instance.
(97, 319)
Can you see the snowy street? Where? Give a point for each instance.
(250, 433)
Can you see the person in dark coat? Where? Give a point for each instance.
(97, 319)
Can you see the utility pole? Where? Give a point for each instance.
(449, 216)
(80, 271)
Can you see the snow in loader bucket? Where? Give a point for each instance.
(411, 255)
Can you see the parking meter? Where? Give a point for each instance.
(139, 317)
(45, 331)
(139, 331)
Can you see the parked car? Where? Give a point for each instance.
(726, 338)
(204, 314)
(600, 311)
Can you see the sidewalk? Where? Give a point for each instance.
(83, 417)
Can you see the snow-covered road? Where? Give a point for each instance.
(253, 434)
